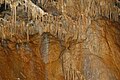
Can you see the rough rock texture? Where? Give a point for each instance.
(73, 40)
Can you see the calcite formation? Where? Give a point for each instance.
(59, 40)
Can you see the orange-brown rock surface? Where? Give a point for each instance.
(74, 40)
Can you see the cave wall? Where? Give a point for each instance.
(81, 43)
(95, 57)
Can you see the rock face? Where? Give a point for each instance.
(81, 43)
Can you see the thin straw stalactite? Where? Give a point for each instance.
(15, 18)
(27, 33)
(12, 22)
(5, 4)
(13, 9)
(3, 33)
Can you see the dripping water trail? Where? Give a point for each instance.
(46, 55)
(45, 50)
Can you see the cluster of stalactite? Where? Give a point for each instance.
(94, 8)
(90, 8)
(100, 7)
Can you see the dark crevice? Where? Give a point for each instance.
(4, 7)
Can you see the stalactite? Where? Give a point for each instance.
(3, 34)
(35, 9)
(13, 9)
(5, 4)
(15, 17)
(12, 22)
(110, 14)
(22, 26)
(27, 33)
